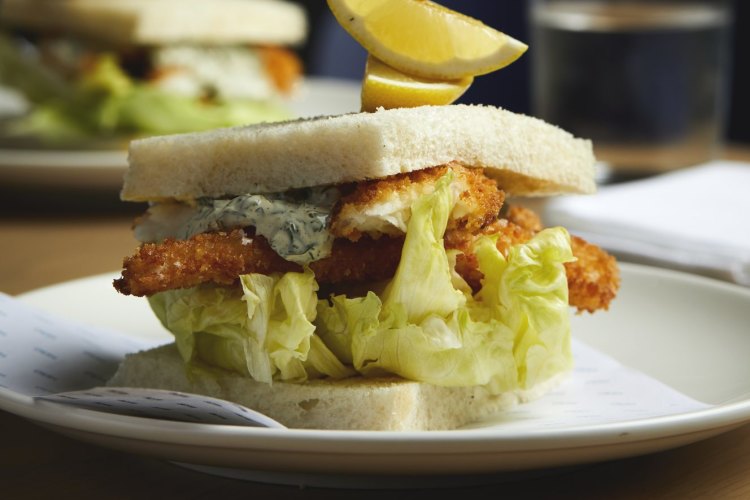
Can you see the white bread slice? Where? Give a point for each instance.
(526, 155)
(160, 22)
(352, 404)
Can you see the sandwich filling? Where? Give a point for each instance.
(426, 275)
(295, 225)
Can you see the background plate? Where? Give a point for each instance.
(102, 169)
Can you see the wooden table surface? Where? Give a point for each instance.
(46, 238)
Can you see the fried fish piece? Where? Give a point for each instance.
(593, 279)
(220, 257)
(383, 206)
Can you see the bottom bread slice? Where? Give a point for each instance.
(356, 403)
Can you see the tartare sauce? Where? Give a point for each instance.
(296, 226)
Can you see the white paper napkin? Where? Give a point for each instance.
(41, 355)
(696, 219)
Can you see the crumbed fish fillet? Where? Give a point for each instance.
(369, 223)
(593, 279)
(383, 206)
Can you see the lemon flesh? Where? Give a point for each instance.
(422, 38)
(389, 88)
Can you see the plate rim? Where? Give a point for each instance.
(727, 415)
(717, 418)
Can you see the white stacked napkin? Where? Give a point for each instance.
(696, 219)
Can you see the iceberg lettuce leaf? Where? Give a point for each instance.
(147, 110)
(263, 330)
(528, 292)
(428, 327)
(422, 285)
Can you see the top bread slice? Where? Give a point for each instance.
(161, 22)
(525, 155)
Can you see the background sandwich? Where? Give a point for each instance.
(97, 68)
(363, 270)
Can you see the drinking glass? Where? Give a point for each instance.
(646, 80)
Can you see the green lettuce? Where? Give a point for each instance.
(425, 325)
(106, 102)
(262, 330)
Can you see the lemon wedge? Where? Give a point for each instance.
(389, 88)
(422, 38)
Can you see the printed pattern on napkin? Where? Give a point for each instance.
(165, 405)
(42, 354)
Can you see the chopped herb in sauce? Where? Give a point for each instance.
(296, 226)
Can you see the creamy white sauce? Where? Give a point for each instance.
(295, 227)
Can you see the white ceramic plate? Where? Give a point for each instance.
(688, 332)
(101, 169)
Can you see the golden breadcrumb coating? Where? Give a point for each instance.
(221, 257)
(593, 279)
(383, 206)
